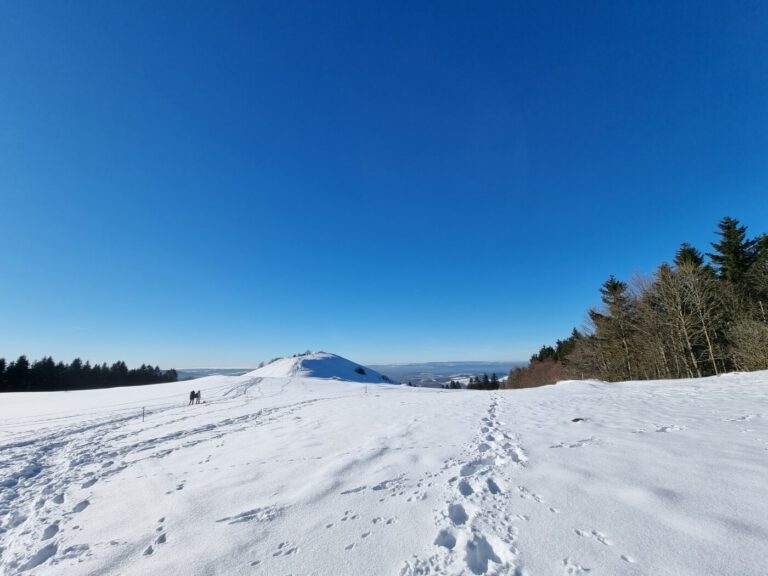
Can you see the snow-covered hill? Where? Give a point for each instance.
(289, 474)
(320, 365)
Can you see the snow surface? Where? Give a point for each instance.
(295, 475)
(320, 365)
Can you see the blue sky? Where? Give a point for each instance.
(213, 184)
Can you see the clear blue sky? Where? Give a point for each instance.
(213, 184)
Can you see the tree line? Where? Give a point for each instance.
(476, 383)
(700, 315)
(484, 383)
(46, 375)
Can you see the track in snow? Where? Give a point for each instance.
(46, 480)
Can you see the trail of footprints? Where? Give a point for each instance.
(475, 530)
(349, 515)
(159, 540)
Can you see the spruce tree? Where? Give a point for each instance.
(735, 253)
(18, 373)
(617, 323)
(687, 254)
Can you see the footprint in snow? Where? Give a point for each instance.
(285, 549)
(493, 488)
(457, 514)
(479, 553)
(89, 483)
(354, 490)
(40, 557)
(80, 506)
(50, 531)
(670, 428)
(446, 539)
(571, 567)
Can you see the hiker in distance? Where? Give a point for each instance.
(192, 397)
(197, 397)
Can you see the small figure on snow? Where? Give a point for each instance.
(197, 397)
(192, 397)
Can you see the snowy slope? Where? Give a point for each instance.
(279, 475)
(319, 365)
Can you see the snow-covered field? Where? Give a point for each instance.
(290, 474)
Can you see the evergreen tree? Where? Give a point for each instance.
(545, 353)
(45, 374)
(75, 374)
(617, 323)
(494, 381)
(690, 319)
(486, 382)
(735, 253)
(18, 373)
(688, 254)
(564, 347)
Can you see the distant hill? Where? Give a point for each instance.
(320, 365)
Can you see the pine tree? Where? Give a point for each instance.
(688, 254)
(17, 374)
(735, 253)
(617, 322)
